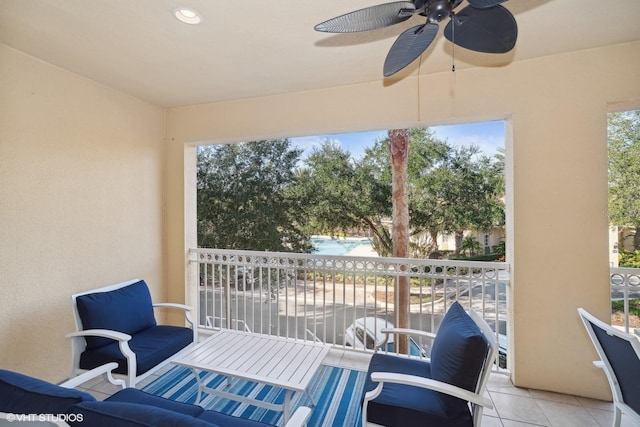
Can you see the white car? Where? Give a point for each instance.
(365, 333)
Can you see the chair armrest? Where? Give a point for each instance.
(187, 314)
(95, 373)
(403, 331)
(299, 417)
(427, 383)
(182, 307)
(104, 333)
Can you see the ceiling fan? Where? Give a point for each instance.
(483, 26)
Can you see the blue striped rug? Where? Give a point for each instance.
(336, 391)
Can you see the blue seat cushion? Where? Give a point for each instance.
(132, 395)
(151, 346)
(122, 414)
(22, 394)
(458, 353)
(402, 405)
(128, 309)
(225, 420)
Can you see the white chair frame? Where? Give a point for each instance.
(78, 342)
(477, 399)
(618, 400)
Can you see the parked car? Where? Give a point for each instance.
(365, 333)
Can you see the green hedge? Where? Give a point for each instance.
(634, 306)
(629, 259)
(488, 257)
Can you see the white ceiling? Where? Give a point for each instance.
(255, 48)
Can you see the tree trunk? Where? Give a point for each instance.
(459, 235)
(399, 149)
(636, 239)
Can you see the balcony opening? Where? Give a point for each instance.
(624, 217)
(265, 207)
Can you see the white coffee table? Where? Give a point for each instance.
(280, 362)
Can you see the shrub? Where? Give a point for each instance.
(634, 306)
(629, 259)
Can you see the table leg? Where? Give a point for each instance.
(200, 385)
(287, 405)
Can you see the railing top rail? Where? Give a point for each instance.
(377, 260)
(625, 270)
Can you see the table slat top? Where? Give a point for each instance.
(277, 361)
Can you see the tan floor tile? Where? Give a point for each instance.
(596, 404)
(603, 418)
(512, 423)
(555, 397)
(491, 422)
(502, 384)
(518, 408)
(566, 415)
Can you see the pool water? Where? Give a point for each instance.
(329, 246)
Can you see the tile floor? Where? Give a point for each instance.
(513, 406)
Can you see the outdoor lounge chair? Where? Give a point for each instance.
(117, 324)
(445, 391)
(619, 354)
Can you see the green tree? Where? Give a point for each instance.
(425, 156)
(342, 194)
(246, 197)
(470, 245)
(624, 171)
(473, 190)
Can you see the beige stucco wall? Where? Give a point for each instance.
(81, 204)
(556, 110)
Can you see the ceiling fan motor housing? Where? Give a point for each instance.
(437, 10)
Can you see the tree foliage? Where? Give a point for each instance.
(261, 196)
(624, 171)
(247, 198)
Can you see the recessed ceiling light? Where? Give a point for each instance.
(188, 16)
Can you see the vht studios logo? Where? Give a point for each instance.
(73, 418)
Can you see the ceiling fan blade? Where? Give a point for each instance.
(369, 18)
(408, 46)
(492, 30)
(483, 4)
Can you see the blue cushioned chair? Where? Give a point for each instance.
(619, 354)
(117, 324)
(445, 390)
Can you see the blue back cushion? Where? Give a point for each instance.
(625, 364)
(128, 309)
(110, 414)
(458, 352)
(22, 394)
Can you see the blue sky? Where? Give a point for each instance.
(486, 135)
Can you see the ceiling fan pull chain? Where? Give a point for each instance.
(453, 42)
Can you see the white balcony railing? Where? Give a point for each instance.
(625, 286)
(306, 296)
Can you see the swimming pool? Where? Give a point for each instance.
(329, 246)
